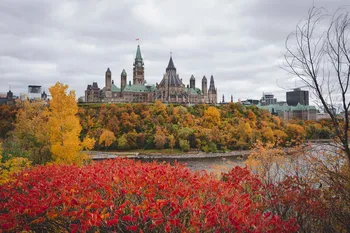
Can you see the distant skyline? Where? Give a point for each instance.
(240, 42)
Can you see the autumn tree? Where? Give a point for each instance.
(172, 141)
(244, 132)
(264, 160)
(268, 135)
(11, 165)
(295, 132)
(184, 145)
(107, 138)
(7, 118)
(64, 127)
(159, 138)
(211, 117)
(31, 133)
(123, 142)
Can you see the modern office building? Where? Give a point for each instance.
(297, 96)
(268, 99)
(34, 92)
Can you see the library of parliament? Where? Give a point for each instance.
(171, 89)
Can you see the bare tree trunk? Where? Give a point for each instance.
(320, 57)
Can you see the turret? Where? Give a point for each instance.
(166, 92)
(192, 82)
(108, 80)
(9, 95)
(204, 86)
(108, 89)
(212, 92)
(123, 80)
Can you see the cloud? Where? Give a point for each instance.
(241, 43)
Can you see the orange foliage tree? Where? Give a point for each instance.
(107, 138)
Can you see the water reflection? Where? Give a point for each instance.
(216, 165)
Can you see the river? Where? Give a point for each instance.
(216, 164)
(203, 162)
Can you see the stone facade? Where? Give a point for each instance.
(170, 90)
(285, 112)
(93, 93)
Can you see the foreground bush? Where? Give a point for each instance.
(128, 196)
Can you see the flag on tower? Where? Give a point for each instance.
(137, 39)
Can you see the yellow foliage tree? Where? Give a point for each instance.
(295, 132)
(107, 137)
(64, 127)
(268, 135)
(252, 118)
(159, 138)
(211, 117)
(172, 141)
(11, 166)
(31, 133)
(280, 136)
(266, 161)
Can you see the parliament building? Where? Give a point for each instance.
(170, 90)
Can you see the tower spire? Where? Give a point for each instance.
(212, 85)
(138, 54)
(171, 64)
(138, 70)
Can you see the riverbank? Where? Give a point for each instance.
(99, 155)
(177, 154)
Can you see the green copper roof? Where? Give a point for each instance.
(138, 54)
(115, 88)
(194, 91)
(285, 107)
(139, 88)
(123, 73)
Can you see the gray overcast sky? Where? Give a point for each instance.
(240, 42)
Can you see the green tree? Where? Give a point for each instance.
(184, 145)
(31, 134)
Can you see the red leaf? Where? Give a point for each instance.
(128, 218)
(112, 222)
(132, 228)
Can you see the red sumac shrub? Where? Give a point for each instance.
(130, 196)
